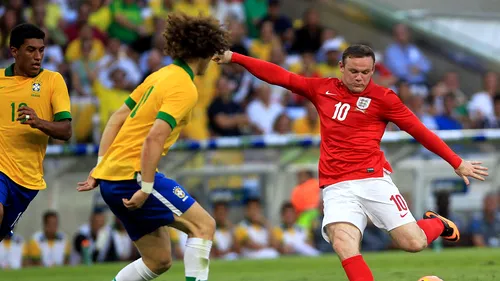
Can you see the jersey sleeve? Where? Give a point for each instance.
(241, 234)
(61, 106)
(278, 234)
(34, 250)
(276, 75)
(26, 250)
(176, 105)
(67, 249)
(395, 111)
(135, 96)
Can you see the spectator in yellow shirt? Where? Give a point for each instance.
(332, 49)
(193, 8)
(110, 99)
(309, 124)
(49, 247)
(100, 14)
(261, 47)
(161, 8)
(73, 52)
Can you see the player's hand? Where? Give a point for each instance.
(223, 58)
(87, 185)
(471, 169)
(28, 116)
(137, 200)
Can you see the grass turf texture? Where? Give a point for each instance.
(450, 265)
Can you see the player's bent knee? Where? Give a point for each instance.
(409, 237)
(206, 228)
(159, 264)
(415, 245)
(345, 239)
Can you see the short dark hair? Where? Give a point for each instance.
(252, 200)
(286, 206)
(25, 31)
(358, 51)
(49, 214)
(224, 204)
(194, 37)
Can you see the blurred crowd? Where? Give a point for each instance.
(105, 48)
(243, 231)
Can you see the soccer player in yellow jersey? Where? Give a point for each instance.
(35, 106)
(136, 137)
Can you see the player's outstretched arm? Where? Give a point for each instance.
(152, 150)
(60, 129)
(400, 115)
(268, 72)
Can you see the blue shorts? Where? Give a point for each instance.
(15, 200)
(167, 199)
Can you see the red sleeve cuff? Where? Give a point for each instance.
(456, 161)
(236, 57)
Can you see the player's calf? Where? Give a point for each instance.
(200, 227)
(156, 258)
(409, 237)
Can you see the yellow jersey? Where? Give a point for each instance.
(168, 94)
(302, 126)
(22, 148)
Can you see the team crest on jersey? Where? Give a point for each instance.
(363, 103)
(179, 192)
(35, 88)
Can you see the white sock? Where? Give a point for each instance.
(135, 271)
(197, 259)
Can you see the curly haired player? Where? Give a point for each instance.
(135, 138)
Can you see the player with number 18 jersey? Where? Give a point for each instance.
(35, 106)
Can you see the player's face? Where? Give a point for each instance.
(220, 213)
(288, 216)
(29, 56)
(356, 73)
(202, 66)
(253, 211)
(50, 227)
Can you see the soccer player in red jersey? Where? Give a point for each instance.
(353, 172)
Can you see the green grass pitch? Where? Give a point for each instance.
(450, 265)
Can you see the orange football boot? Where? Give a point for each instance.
(450, 232)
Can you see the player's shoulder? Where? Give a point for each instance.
(46, 73)
(381, 94)
(328, 82)
(50, 77)
(174, 76)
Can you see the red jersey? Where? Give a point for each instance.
(352, 124)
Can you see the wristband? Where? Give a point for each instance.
(147, 187)
(99, 159)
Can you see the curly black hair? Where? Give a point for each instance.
(194, 37)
